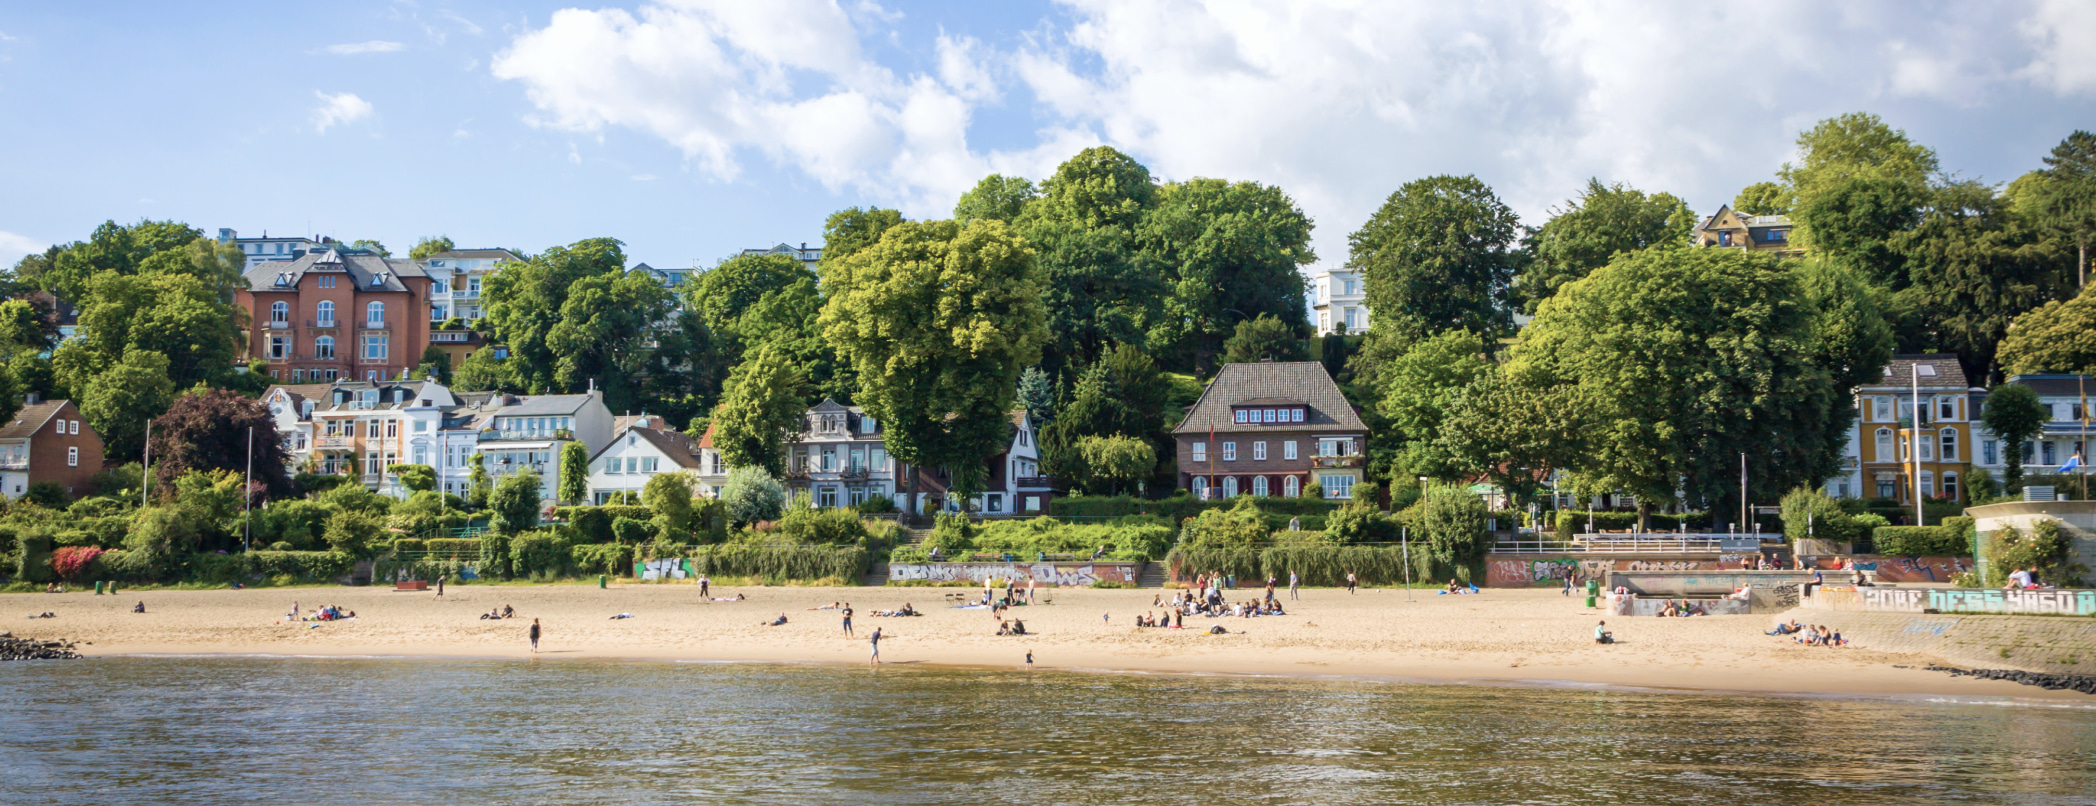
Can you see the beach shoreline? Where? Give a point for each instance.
(1520, 637)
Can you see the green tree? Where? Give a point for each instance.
(1265, 338)
(573, 484)
(1100, 289)
(119, 401)
(1762, 198)
(752, 495)
(526, 301)
(2056, 337)
(1123, 394)
(175, 315)
(483, 372)
(2066, 199)
(762, 411)
(669, 496)
(514, 506)
(1113, 463)
(430, 245)
(414, 478)
(2014, 414)
(1453, 522)
(1360, 522)
(354, 533)
(1037, 395)
(849, 230)
(1971, 268)
(477, 476)
(216, 429)
(1233, 250)
(1604, 221)
(939, 320)
(1240, 525)
(372, 246)
(606, 332)
(1511, 436)
(435, 364)
(66, 270)
(1438, 255)
(1678, 361)
(1855, 183)
(1417, 391)
(996, 196)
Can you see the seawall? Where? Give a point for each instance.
(2055, 644)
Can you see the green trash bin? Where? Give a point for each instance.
(600, 581)
(1593, 592)
(98, 587)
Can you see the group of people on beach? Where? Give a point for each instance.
(1810, 634)
(324, 613)
(498, 614)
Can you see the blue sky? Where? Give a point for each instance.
(693, 129)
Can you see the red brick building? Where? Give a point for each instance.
(48, 441)
(337, 314)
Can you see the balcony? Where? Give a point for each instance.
(14, 463)
(316, 323)
(1335, 461)
(375, 324)
(333, 443)
(465, 293)
(493, 435)
(1034, 482)
(279, 324)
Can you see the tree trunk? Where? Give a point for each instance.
(1644, 509)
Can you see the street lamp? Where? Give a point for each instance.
(1914, 437)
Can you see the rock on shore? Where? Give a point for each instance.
(12, 648)
(2083, 683)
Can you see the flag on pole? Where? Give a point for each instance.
(2072, 463)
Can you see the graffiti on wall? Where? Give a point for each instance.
(1507, 572)
(1068, 575)
(1963, 600)
(1920, 569)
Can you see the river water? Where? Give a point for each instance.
(381, 731)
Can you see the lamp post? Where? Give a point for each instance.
(1914, 437)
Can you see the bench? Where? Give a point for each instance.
(415, 585)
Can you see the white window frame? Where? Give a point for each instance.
(1288, 450)
(1200, 452)
(1259, 452)
(1229, 451)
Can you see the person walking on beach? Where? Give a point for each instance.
(1029, 660)
(847, 619)
(705, 587)
(1293, 581)
(876, 643)
(440, 586)
(534, 635)
(1349, 583)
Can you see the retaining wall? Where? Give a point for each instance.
(1059, 574)
(1954, 600)
(2034, 644)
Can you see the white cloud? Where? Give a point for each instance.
(1337, 101)
(2064, 33)
(464, 23)
(341, 108)
(374, 46)
(13, 247)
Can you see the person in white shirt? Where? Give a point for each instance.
(2021, 579)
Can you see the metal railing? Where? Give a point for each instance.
(14, 463)
(1335, 461)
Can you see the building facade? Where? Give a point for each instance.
(266, 249)
(1730, 229)
(48, 441)
(457, 278)
(1883, 444)
(840, 460)
(1339, 301)
(517, 433)
(363, 429)
(1013, 485)
(2067, 428)
(1271, 429)
(336, 315)
(642, 449)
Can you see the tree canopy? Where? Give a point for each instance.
(2057, 337)
(1602, 222)
(212, 430)
(1438, 255)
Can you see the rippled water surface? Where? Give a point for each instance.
(186, 730)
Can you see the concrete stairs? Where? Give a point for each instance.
(877, 577)
(1152, 576)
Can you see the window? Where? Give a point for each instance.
(1337, 486)
(1259, 486)
(1724, 239)
(2051, 453)
(1928, 483)
(995, 502)
(279, 313)
(647, 464)
(1296, 416)
(327, 282)
(437, 313)
(1950, 444)
(1349, 286)
(1353, 319)
(827, 498)
(1200, 451)
(375, 315)
(1200, 488)
(72, 457)
(421, 455)
(1884, 445)
(1259, 453)
(1033, 503)
(1950, 486)
(1288, 450)
(325, 312)
(1988, 452)
(1290, 487)
(374, 350)
(632, 464)
(439, 287)
(279, 348)
(1229, 486)
(1324, 321)
(1946, 409)
(76, 428)
(1241, 415)
(879, 461)
(392, 428)
(1885, 487)
(1229, 451)
(1928, 447)
(1881, 409)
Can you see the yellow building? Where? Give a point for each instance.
(1887, 437)
(1730, 229)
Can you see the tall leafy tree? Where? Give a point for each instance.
(749, 301)
(2014, 414)
(1971, 268)
(762, 410)
(430, 245)
(1037, 395)
(2056, 337)
(175, 315)
(1100, 290)
(525, 303)
(1123, 394)
(854, 228)
(2066, 196)
(514, 505)
(370, 245)
(573, 484)
(996, 196)
(1437, 256)
(939, 320)
(1677, 362)
(606, 333)
(67, 270)
(1234, 251)
(1602, 222)
(210, 430)
(1417, 390)
(1265, 339)
(1763, 198)
(1857, 181)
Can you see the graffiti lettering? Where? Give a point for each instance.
(1068, 575)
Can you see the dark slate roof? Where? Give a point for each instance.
(1949, 373)
(1237, 384)
(675, 445)
(31, 419)
(360, 268)
(2056, 385)
(477, 254)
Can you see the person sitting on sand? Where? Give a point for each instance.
(830, 606)
(1018, 627)
(1785, 629)
(1218, 630)
(1004, 627)
(508, 611)
(777, 621)
(1602, 635)
(1453, 587)
(139, 608)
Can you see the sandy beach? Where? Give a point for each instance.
(1500, 636)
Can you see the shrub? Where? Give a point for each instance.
(494, 555)
(669, 496)
(1314, 490)
(72, 563)
(875, 505)
(951, 534)
(452, 548)
(2044, 547)
(1329, 564)
(354, 533)
(408, 545)
(298, 564)
(1359, 524)
(825, 527)
(751, 495)
(709, 519)
(539, 554)
(603, 558)
(844, 564)
(1809, 512)
(514, 506)
(315, 483)
(909, 554)
(49, 494)
(1919, 541)
(592, 523)
(1453, 522)
(160, 538)
(1185, 562)
(631, 532)
(1240, 525)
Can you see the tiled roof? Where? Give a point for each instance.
(546, 404)
(1293, 380)
(31, 419)
(678, 447)
(477, 254)
(2055, 385)
(360, 268)
(1949, 373)
(706, 439)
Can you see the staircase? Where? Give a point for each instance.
(1152, 576)
(877, 577)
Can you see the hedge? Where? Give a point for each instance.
(1952, 539)
(539, 554)
(782, 562)
(452, 548)
(406, 545)
(1278, 510)
(603, 558)
(1571, 522)
(1186, 563)
(33, 558)
(226, 569)
(1329, 564)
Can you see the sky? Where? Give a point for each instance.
(692, 129)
